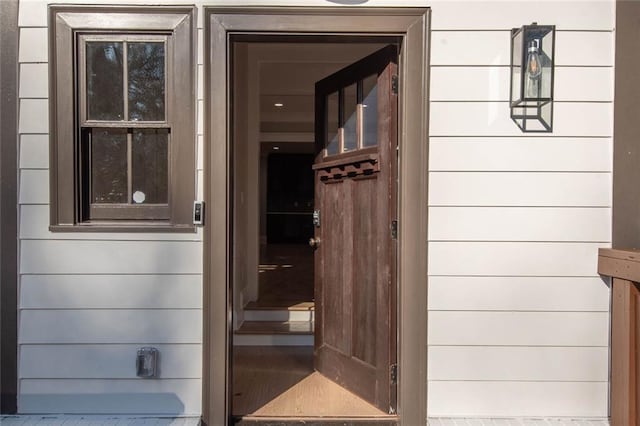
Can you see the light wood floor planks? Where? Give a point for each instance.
(285, 274)
(276, 381)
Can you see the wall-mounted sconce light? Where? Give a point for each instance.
(532, 61)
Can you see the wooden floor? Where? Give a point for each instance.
(277, 381)
(285, 275)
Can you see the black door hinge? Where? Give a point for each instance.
(394, 84)
(393, 374)
(394, 229)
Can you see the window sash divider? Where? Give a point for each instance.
(126, 124)
(129, 211)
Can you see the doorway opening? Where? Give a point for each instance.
(223, 27)
(285, 270)
(275, 270)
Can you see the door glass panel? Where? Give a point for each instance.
(105, 98)
(350, 118)
(146, 81)
(109, 166)
(333, 140)
(150, 166)
(370, 111)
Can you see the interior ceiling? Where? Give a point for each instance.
(287, 75)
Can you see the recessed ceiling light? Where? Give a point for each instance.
(278, 104)
(276, 148)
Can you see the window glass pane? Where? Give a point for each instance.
(105, 99)
(145, 63)
(333, 139)
(350, 118)
(150, 166)
(516, 72)
(370, 111)
(109, 166)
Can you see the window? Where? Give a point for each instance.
(123, 118)
(352, 117)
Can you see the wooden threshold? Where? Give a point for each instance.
(310, 421)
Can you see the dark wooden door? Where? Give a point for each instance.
(355, 254)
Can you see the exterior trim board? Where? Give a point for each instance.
(8, 205)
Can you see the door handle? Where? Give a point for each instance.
(314, 242)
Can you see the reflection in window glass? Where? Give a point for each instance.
(370, 111)
(350, 117)
(150, 166)
(146, 88)
(109, 182)
(105, 99)
(333, 139)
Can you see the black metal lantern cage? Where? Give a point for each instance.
(531, 92)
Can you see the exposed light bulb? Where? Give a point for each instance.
(534, 66)
(533, 69)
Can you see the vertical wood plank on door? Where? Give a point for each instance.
(333, 228)
(346, 253)
(365, 271)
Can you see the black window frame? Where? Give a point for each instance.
(70, 28)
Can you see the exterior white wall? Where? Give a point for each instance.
(518, 317)
(88, 301)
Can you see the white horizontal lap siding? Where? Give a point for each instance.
(88, 301)
(486, 83)
(518, 317)
(123, 291)
(110, 326)
(92, 361)
(520, 154)
(110, 257)
(469, 117)
(536, 224)
(99, 396)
